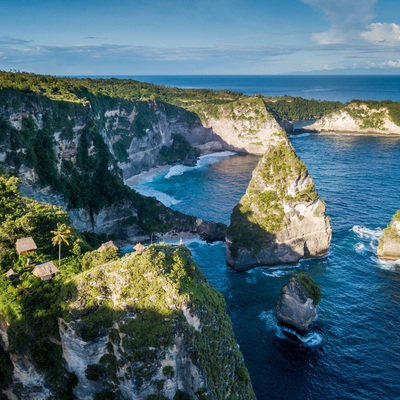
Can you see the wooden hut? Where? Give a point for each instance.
(45, 271)
(140, 248)
(25, 245)
(11, 274)
(106, 246)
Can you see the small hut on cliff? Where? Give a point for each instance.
(25, 245)
(106, 246)
(139, 248)
(11, 274)
(45, 271)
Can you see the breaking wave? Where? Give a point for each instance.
(202, 162)
(160, 196)
(311, 339)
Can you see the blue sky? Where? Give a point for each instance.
(164, 37)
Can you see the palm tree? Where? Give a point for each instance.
(62, 234)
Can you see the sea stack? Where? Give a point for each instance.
(389, 243)
(297, 304)
(281, 218)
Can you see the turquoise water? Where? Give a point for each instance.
(353, 349)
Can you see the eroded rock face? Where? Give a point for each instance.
(357, 117)
(389, 244)
(280, 219)
(294, 308)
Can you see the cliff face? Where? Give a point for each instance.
(145, 325)
(75, 154)
(358, 117)
(280, 219)
(389, 243)
(243, 125)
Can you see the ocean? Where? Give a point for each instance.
(322, 87)
(352, 351)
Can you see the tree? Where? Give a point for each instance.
(62, 234)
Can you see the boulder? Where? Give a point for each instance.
(297, 304)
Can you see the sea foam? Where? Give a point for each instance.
(310, 339)
(202, 162)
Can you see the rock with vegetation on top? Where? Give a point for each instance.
(280, 219)
(363, 117)
(151, 325)
(298, 301)
(389, 243)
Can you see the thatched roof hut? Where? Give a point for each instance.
(107, 245)
(140, 248)
(11, 274)
(45, 271)
(25, 245)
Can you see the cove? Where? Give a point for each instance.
(352, 350)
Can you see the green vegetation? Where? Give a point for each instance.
(166, 280)
(91, 91)
(296, 108)
(390, 232)
(31, 307)
(260, 214)
(179, 152)
(370, 113)
(61, 234)
(136, 302)
(310, 287)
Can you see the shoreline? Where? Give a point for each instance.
(345, 133)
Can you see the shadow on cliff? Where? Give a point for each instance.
(249, 245)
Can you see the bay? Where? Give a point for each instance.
(353, 349)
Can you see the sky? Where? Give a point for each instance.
(200, 37)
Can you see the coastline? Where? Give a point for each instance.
(344, 133)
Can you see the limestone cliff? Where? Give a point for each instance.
(389, 243)
(280, 219)
(359, 117)
(243, 125)
(75, 153)
(144, 326)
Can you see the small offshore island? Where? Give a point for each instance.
(144, 326)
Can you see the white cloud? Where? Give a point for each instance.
(385, 64)
(345, 17)
(382, 33)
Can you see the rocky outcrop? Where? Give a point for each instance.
(155, 336)
(357, 117)
(296, 306)
(26, 381)
(243, 125)
(389, 243)
(139, 327)
(280, 219)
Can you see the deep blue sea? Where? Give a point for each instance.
(353, 349)
(324, 87)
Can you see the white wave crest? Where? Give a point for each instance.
(202, 162)
(365, 233)
(300, 135)
(311, 339)
(162, 197)
(279, 271)
(177, 170)
(388, 265)
(359, 248)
